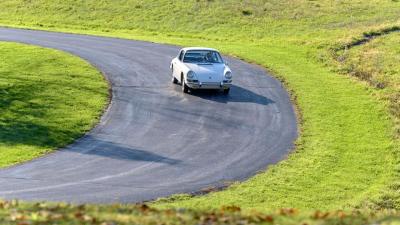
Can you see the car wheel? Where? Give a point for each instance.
(185, 88)
(174, 80)
(226, 91)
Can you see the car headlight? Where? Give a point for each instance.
(191, 75)
(228, 75)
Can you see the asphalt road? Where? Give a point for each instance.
(155, 141)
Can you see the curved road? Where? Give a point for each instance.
(154, 141)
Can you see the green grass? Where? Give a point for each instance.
(377, 62)
(48, 99)
(346, 155)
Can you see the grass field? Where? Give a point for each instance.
(347, 155)
(48, 99)
(377, 62)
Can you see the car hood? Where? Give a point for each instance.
(208, 72)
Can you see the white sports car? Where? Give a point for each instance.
(201, 68)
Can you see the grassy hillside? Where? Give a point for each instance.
(347, 154)
(48, 99)
(377, 62)
(230, 19)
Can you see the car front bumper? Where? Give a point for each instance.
(209, 85)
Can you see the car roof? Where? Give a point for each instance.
(199, 48)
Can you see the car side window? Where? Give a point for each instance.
(181, 55)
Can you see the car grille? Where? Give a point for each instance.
(210, 84)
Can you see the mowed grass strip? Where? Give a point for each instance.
(377, 62)
(346, 155)
(48, 99)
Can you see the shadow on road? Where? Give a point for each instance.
(93, 146)
(237, 94)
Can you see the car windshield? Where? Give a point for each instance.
(202, 56)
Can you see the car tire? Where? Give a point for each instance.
(174, 80)
(226, 91)
(185, 88)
